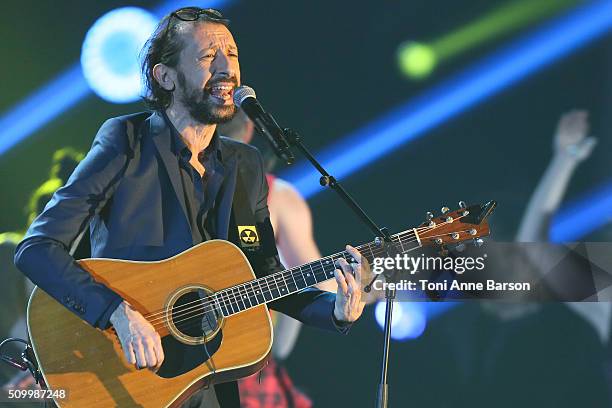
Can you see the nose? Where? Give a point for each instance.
(223, 65)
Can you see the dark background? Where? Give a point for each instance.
(327, 68)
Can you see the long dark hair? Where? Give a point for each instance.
(164, 46)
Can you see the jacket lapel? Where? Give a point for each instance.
(226, 192)
(160, 134)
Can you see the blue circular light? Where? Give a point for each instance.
(109, 56)
(408, 322)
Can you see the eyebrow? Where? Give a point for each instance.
(213, 46)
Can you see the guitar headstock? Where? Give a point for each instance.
(456, 227)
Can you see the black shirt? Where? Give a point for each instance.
(200, 192)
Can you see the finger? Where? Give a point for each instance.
(354, 293)
(139, 351)
(354, 253)
(344, 266)
(341, 282)
(357, 273)
(150, 353)
(350, 281)
(361, 260)
(129, 353)
(159, 352)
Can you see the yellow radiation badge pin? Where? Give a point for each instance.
(248, 236)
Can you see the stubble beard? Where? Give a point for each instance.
(201, 107)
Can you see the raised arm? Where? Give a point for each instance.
(571, 146)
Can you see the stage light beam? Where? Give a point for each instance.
(479, 82)
(64, 91)
(418, 60)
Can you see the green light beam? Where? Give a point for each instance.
(418, 60)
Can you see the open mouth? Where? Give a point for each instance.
(222, 91)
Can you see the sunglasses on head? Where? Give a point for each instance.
(191, 14)
(194, 13)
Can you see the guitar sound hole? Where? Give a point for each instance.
(194, 315)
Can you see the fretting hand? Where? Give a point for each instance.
(349, 305)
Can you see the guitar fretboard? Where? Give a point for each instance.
(277, 285)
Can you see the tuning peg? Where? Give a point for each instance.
(444, 210)
(429, 215)
(460, 247)
(462, 204)
(455, 235)
(478, 242)
(472, 231)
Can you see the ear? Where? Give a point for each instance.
(163, 76)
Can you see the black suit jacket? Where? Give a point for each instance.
(129, 193)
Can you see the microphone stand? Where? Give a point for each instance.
(383, 240)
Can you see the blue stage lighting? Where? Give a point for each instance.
(41, 107)
(64, 91)
(453, 97)
(408, 322)
(582, 216)
(109, 56)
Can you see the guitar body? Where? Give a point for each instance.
(89, 363)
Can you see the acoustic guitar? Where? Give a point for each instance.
(209, 309)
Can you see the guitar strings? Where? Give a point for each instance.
(228, 298)
(231, 299)
(249, 307)
(203, 309)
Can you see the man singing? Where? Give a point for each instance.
(155, 184)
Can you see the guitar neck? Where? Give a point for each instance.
(284, 283)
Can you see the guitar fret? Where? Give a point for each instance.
(308, 278)
(320, 275)
(229, 303)
(314, 274)
(267, 294)
(245, 297)
(236, 297)
(253, 297)
(328, 266)
(275, 292)
(400, 242)
(259, 293)
(284, 290)
(302, 281)
(294, 288)
(222, 306)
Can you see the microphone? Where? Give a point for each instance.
(244, 97)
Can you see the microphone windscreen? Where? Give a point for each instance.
(241, 93)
